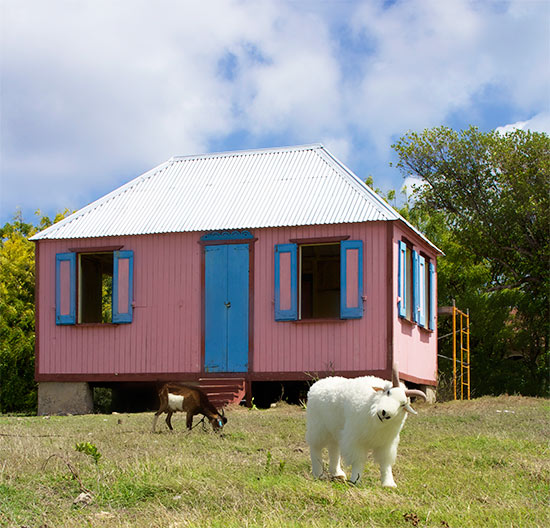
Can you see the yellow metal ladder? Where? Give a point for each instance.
(461, 329)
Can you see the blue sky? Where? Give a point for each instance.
(93, 94)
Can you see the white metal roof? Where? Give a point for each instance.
(303, 185)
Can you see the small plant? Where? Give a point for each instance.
(88, 449)
(268, 462)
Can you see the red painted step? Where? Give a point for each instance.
(223, 391)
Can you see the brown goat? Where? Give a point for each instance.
(192, 400)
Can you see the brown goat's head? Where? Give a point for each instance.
(218, 420)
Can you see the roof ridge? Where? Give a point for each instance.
(244, 152)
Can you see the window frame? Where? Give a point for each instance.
(291, 279)
(72, 282)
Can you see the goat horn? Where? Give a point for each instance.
(222, 412)
(416, 392)
(395, 375)
(410, 409)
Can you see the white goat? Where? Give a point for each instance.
(354, 416)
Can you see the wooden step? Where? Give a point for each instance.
(223, 391)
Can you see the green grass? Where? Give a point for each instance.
(459, 464)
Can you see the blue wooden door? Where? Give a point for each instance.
(226, 308)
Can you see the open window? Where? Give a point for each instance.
(319, 292)
(94, 287)
(319, 280)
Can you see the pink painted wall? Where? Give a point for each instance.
(358, 344)
(415, 348)
(165, 335)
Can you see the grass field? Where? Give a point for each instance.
(482, 463)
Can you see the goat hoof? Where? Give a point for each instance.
(339, 478)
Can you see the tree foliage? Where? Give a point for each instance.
(17, 386)
(485, 201)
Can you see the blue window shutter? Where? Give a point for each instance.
(351, 279)
(402, 279)
(433, 304)
(422, 286)
(286, 283)
(123, 278)
(65, 288)
(416, 288)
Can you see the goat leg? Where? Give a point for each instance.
(169, 420)
(385, 457)
(155, 418)
(334, 467)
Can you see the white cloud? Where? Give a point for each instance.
(93, 93)
(412, 183)
(92, 90)
(434, 58)
(339, 147)
(538, 123)
(425, 64)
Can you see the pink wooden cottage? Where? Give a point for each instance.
(253, 266)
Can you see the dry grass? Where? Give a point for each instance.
(460, 464)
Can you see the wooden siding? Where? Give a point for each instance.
(165, 336)
(415, 348)
(350, 345)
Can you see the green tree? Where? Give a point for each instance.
(17, 389)
(17, 386)
(485, 201)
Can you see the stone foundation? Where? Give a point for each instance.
(64, 398)
(430, 392)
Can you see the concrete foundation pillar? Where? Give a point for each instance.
(64, 398)
(430, 392)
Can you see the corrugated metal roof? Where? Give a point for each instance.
(278, 187)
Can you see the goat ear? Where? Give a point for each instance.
(378, 389)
